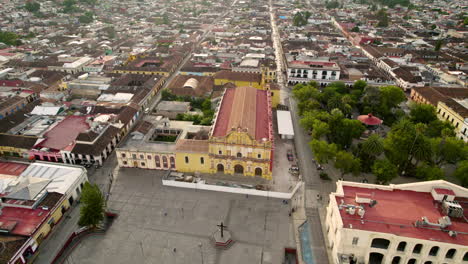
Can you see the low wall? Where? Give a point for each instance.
(209, 187)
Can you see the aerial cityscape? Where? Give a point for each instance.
(235, 131)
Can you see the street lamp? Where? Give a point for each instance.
(201, 251)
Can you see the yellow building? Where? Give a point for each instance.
(456, 112)
(239, 79)
(255, 80)
(241, 139)
(16, 145)
(192, 156)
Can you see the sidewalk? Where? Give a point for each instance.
(59, 235)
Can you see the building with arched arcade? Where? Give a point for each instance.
(414, 223)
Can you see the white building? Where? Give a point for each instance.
(323, 72)
(414, 223)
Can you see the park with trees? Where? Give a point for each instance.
(412, 143)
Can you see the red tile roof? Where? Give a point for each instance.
(245, 108)
(396, 212)
(64, 133)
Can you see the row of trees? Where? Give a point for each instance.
(417, 145)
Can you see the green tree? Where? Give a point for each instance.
(10, 38)
(308, 105)
(347, 163)
(422, 113)
(448, 150)
(461, 172)
(305, 92)
(384, 170)
(438, 44)
(373, 145)
(69, 6)
(323, 151)
(87, 18)
(320, 129)
(360, 85)
(92, 208)
(32, 6)
(429, 173)
(355, 29)
(383, 18)
(392, 96)
(438, 128)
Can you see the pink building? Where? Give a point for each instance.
(61, 137)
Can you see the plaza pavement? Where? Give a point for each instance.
(154, 220)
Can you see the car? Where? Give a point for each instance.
(289, 154)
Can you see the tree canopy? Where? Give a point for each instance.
(347, 163)
(92, 208)
(32, 6)
(10, 38)
(384, 170)
(422, 113)
(323, 151)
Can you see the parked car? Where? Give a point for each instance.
(289, 154)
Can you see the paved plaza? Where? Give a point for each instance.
(159, 224)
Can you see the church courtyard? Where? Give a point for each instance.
(159, 224)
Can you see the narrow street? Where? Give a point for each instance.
(314, 186)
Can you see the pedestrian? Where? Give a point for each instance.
(175, 249)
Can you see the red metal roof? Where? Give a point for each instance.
(396, 212)
(244, 107)
(27, 220)
(444, 191)
(370, 120)
(11, 168)
(64, 133)
(10, 83)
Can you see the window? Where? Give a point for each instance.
(450, 253)
(412, 261)
(158, 162)
(142, 156)
(220, 152)
(465, 257)
(172, 160)
(259, 156)
(134, 156)
(380, 243)
(125, 163)
(186, 159)
(434, 250)
(143, 164)
(428, 262)
(123, 155)
(239, 155)
(164, 158)
(202, 160)
(401, 246)
(149, 157)
(78, 190)
(355, 240)
(417, 249)
(396, 260)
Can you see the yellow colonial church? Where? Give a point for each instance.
(240, 141)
